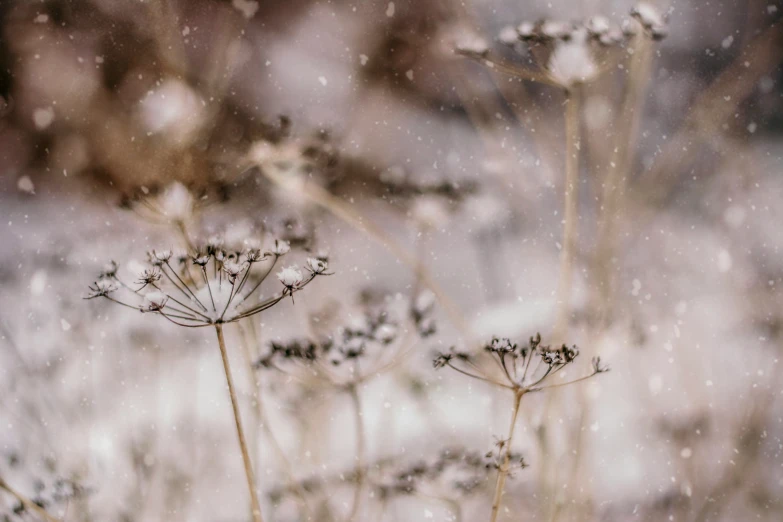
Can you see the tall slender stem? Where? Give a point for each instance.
(571, 215)
(503, 472)
(251, 481)
(262, 421)
(27, 503)
(360, 450)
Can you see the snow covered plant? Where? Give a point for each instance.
(566, 54)
(368, 345)
(522, 370)
(210, 286)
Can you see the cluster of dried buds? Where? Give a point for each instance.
(209, 286)
(454, 471)
(47, 493)
(451, 473)
(522, 368)
(569, 53)
(369, 342)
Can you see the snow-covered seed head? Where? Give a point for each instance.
(201, 259)
(280, 247)
(159, 257)
(569, 354)
(149, 276)
(508, 36)
(155, 301)
(316, 266)
(651, 19)
(556, 29)
(572, 62)
(501, 345)
(526, 30)
(176, 202)
(162, 255)
(253, 255)
(233, 269)
(385, 333)
(473, 44)
(214, 244)
(102, 287)
(598, 25)
(424, 303)
(110, 269)
(291, 277)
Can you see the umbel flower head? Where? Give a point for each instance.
(570, 53)
(523, 368)
(209, 286)
(364, 344)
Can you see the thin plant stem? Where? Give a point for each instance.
(262, 420)
(251, 481)
(503, 472)
(360, 451)
(27, 503)
(571, 210)
(614, 187)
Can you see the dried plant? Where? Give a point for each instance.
(516, 372)
(210, 287)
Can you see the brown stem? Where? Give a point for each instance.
(570, 217)
(261, 420)
(251, 481)
(360, 450)
(27, 503)
(503, 472)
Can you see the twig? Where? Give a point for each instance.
(27, 503)
(571, 205)
(503, 472)
(360, 451)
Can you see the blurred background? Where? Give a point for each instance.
(354, 131)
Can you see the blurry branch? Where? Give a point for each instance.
(360, 450)
(571, 217)
(27, 503)
(624, 147)
(503, 471)
(340, 209)
(711, 111)
(509, 69)
(748, 441)
(260, 415)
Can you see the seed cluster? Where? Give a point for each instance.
(211, 285)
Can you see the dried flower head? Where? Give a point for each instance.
(524, 368)
(211, 286)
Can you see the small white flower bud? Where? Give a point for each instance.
(508, 36)
(291, 277)
(280, 247)
(233, 269)
(316, 266)
(176, 202)
(154, 301)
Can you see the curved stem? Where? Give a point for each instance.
(503, 473)
(360, 450)
(251, 481)
(570, 217)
